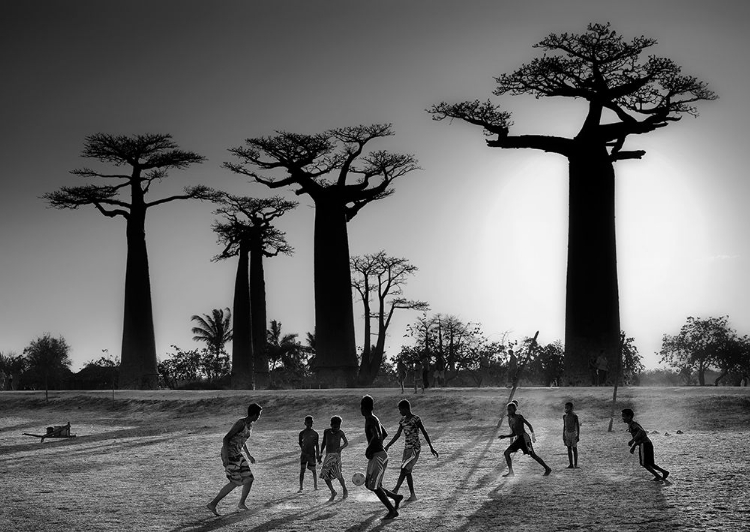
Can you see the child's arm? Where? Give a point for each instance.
(398, 434)
(317, 449)
(531, 429)
(346, 442)
(247, 451)
(427, 439)
(300, 438)
(578, 429)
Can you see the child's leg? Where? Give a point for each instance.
(380, 492)
(575, 456)
(547, 469)
(245, 492)
(301, 475)
(395, 496)
(343, 487)
(410, 483)
(314, 472)
(223, 492)
(330, 487)
(570, 457)
(509, 462)
(664, 472)
(401, 477)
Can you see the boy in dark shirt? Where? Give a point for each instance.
(641, 440)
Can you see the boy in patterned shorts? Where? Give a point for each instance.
(331, 468)
(410, 425)
(641, 440)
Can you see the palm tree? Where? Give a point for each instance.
(215, 330)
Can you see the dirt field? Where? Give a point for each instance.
(150, 461)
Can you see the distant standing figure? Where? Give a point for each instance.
(522, 442)
(401, 373)
(332, 469)
(377, 458)
(410, 424)
(426, 372)
(10, 382)
(310, 453)
(593, 371)
(439, 374)
(2, 380)
(237, 470)
(571, 434)
(602, 367)
(645, 447)
(418, 375)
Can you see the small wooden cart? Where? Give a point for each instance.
(58, 431)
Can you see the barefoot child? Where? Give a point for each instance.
(310, 452)
(522, 441)
(331, 468)
(236, 467)
(645, 447)
(410, 425)
(571, 434)
(378, 459)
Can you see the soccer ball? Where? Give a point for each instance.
(358, 479)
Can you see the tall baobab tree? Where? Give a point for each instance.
(626, 96)
(247, 233)
(333, 170)
(379, 277)
(149, 158)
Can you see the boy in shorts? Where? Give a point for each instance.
(641, 440)
(378, 459)
(310, 452)
(410, 425)
(571, 434)
(522, 442)
(331, 468)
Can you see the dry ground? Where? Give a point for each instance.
(150, 461)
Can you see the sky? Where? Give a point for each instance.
(486, 227)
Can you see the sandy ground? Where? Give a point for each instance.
(150, 461)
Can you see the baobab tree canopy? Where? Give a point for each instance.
(627, 95)
(334, 170)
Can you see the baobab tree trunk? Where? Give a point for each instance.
(592, 313)
(258, 314)
(242, 348)
(138, 357)
(335, 345)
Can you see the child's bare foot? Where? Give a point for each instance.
(657, 479)
(571, 466)
(547, 472)
(333, 496)
(345, 495)
(391, 515)
(509, 474)
(397, 501)
(412, 497)
(212, 509)
(242, 506)
(665, 475)
(299, 490)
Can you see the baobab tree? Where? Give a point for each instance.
(333, 170)
(247, 233)
(149, 158)
(626, 95)
(379, 277)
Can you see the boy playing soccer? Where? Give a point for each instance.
(378, 459)
(645, 447)
(410, 425)
(331, 468)
(308, 444)
(571, 434)
(522, 441)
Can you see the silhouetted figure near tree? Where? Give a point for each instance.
(247, 233)
(626, 96)
(149, 157)
(329, 167)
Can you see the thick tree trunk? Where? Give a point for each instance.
(242, 348)
(592, 312)
(335, 345)
(138, 358)
(363, 376)
(258, 314)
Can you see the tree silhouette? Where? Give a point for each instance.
(380, 276)
(48, 361)
(626, 96)
(149, 157)
(214, 330)
(329, 167)
(247, 233)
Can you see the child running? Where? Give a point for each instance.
(410, 425)
(641, 440)
(308, 444)
(522, 441)
(378, 459)
(237, 470)
(571, 434)
(331, 468)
